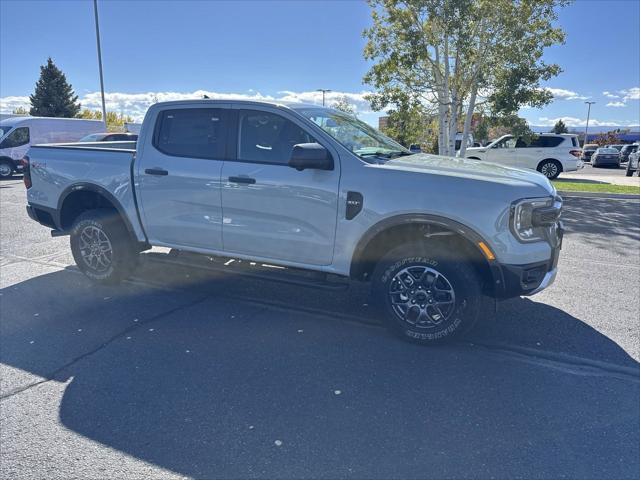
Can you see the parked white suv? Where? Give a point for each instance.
(550, 154)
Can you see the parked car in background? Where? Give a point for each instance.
(312, 188)
(633, 164)
(606, 156)
(458, 142)
(415, 148)
(587, 151)
(17, 134)
(617, 146)
(549, 154)
(626, 151)
(110, 137)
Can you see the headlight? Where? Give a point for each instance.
(532, 218)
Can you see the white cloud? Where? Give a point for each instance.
(610, 95)
(616, 104)
(565, 94)
(631, 94)
(9, 104)
(136, 104)
(576, 122)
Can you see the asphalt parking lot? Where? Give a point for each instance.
(188, 373)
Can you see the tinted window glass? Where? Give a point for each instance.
(122, 137)
(551, 142)
(192, 132)
(17, 138)
(268, 138)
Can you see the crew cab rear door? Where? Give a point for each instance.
(178, 177)
(271, 210)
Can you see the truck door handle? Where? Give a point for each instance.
(247, 180)
(156, 171)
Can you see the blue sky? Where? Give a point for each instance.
(282, 49)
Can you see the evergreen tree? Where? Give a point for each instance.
(560, 127)
(53, 97)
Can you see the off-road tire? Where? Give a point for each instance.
(456, 270)
(108, 228)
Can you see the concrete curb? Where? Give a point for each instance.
(611, 196)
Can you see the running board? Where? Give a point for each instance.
(257, 270)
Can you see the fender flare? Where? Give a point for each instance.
(90, 187)
(427, 219)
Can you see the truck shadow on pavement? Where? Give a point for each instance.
(201, 382)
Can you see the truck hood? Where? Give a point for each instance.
(467, 168)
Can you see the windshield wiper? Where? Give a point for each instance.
(385, 154)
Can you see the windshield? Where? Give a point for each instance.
(607, 150)
(94, 137)
(4, 130)
(357, 136)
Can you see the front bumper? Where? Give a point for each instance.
(529, 279)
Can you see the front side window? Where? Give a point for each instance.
(508, 142)
(17, 138)
(192, 132)
(268, 138)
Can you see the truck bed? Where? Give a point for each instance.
(59, 169)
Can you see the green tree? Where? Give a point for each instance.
(115, 121)
(407, 124)
(53, 96)
(344, 105)
(560, 127)
(450, 55)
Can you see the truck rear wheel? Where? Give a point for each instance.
(102, 247)
(427, 295)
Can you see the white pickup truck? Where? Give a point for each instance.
(309, 188)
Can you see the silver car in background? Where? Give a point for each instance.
(606, 156)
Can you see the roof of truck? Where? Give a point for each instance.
(211, 101)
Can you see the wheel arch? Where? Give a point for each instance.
(406, 228)
(80, 197)
(551, 159)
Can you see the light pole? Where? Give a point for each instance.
(323, 90)
(104, 108)
(586, 129)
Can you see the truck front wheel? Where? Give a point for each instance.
(427, 294)
(102, 247)
(6, 169)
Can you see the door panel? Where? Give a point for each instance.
(178, 179)
(504, 152)
(270, 209)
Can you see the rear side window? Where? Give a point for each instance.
(192, 132)
(574, 141)
(17, 138)
(546, 142)
(268, 138)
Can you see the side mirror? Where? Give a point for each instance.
(310, 155)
